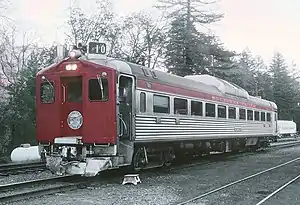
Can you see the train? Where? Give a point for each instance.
(95, 113)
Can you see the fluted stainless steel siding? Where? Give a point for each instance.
(147, 129)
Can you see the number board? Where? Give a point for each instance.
(97, 48)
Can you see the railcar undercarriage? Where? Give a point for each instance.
(89, 160)
(86, 160)
(148, 156)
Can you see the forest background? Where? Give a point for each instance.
(172, 42)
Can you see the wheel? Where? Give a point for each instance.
(139, 160)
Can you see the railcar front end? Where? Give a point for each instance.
(77, 120)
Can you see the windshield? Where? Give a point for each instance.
(98, 89)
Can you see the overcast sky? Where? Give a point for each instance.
(264, 26)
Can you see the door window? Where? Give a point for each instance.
(74, 88)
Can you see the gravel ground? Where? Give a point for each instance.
(289, 195)
(45, 174)
(178, 185)
(24, 177)
(21, 190)
(255, 189)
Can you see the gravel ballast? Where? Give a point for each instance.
(181, 184)
(25, 177)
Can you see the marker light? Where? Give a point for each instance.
(71, 67)
(104, 74)
(74, 54)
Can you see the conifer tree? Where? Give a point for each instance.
(283, 87)
(189, 51)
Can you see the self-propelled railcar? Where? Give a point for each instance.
(95, 113)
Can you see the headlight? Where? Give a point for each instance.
(71, 67)
(75, 120)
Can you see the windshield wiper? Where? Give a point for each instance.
(44, 78)
(101, 85)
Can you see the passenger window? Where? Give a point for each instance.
(232, 112)
(74, 89)
(221, 111)
(196, 108)
(95, 91)
(256, 116)
(268, 117)
(142, 102)
(210, 110)
(249, 115)
(161, 104)
(180, 106)
(263, 116)
(47, 92)
(242, 114)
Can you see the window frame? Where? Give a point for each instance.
(269, 114)
(255, 112)
(99, 90)
(213, 109)
(244, 114)
(263, 114)
(54, 89)
(249, 115)
(68, 88)
(198, 102)
(234, 113)
(144, 103)
(169, 104)
(181, 99)
(222, 107)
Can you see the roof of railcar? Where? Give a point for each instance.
(178, 81)
(173, 80)
(164, 78)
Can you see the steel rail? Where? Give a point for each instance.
(14, 167)
(5, 187)
(236, 182)
(21, 191)
(278, 190)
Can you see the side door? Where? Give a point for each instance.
(126, 107)
(71, 100)
(99, 106)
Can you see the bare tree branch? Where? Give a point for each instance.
(13, 57)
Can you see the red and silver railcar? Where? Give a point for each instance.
(96, 113)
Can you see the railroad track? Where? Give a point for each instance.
(16, 168)
(34, 188)
(278, 190)
(219, 189)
